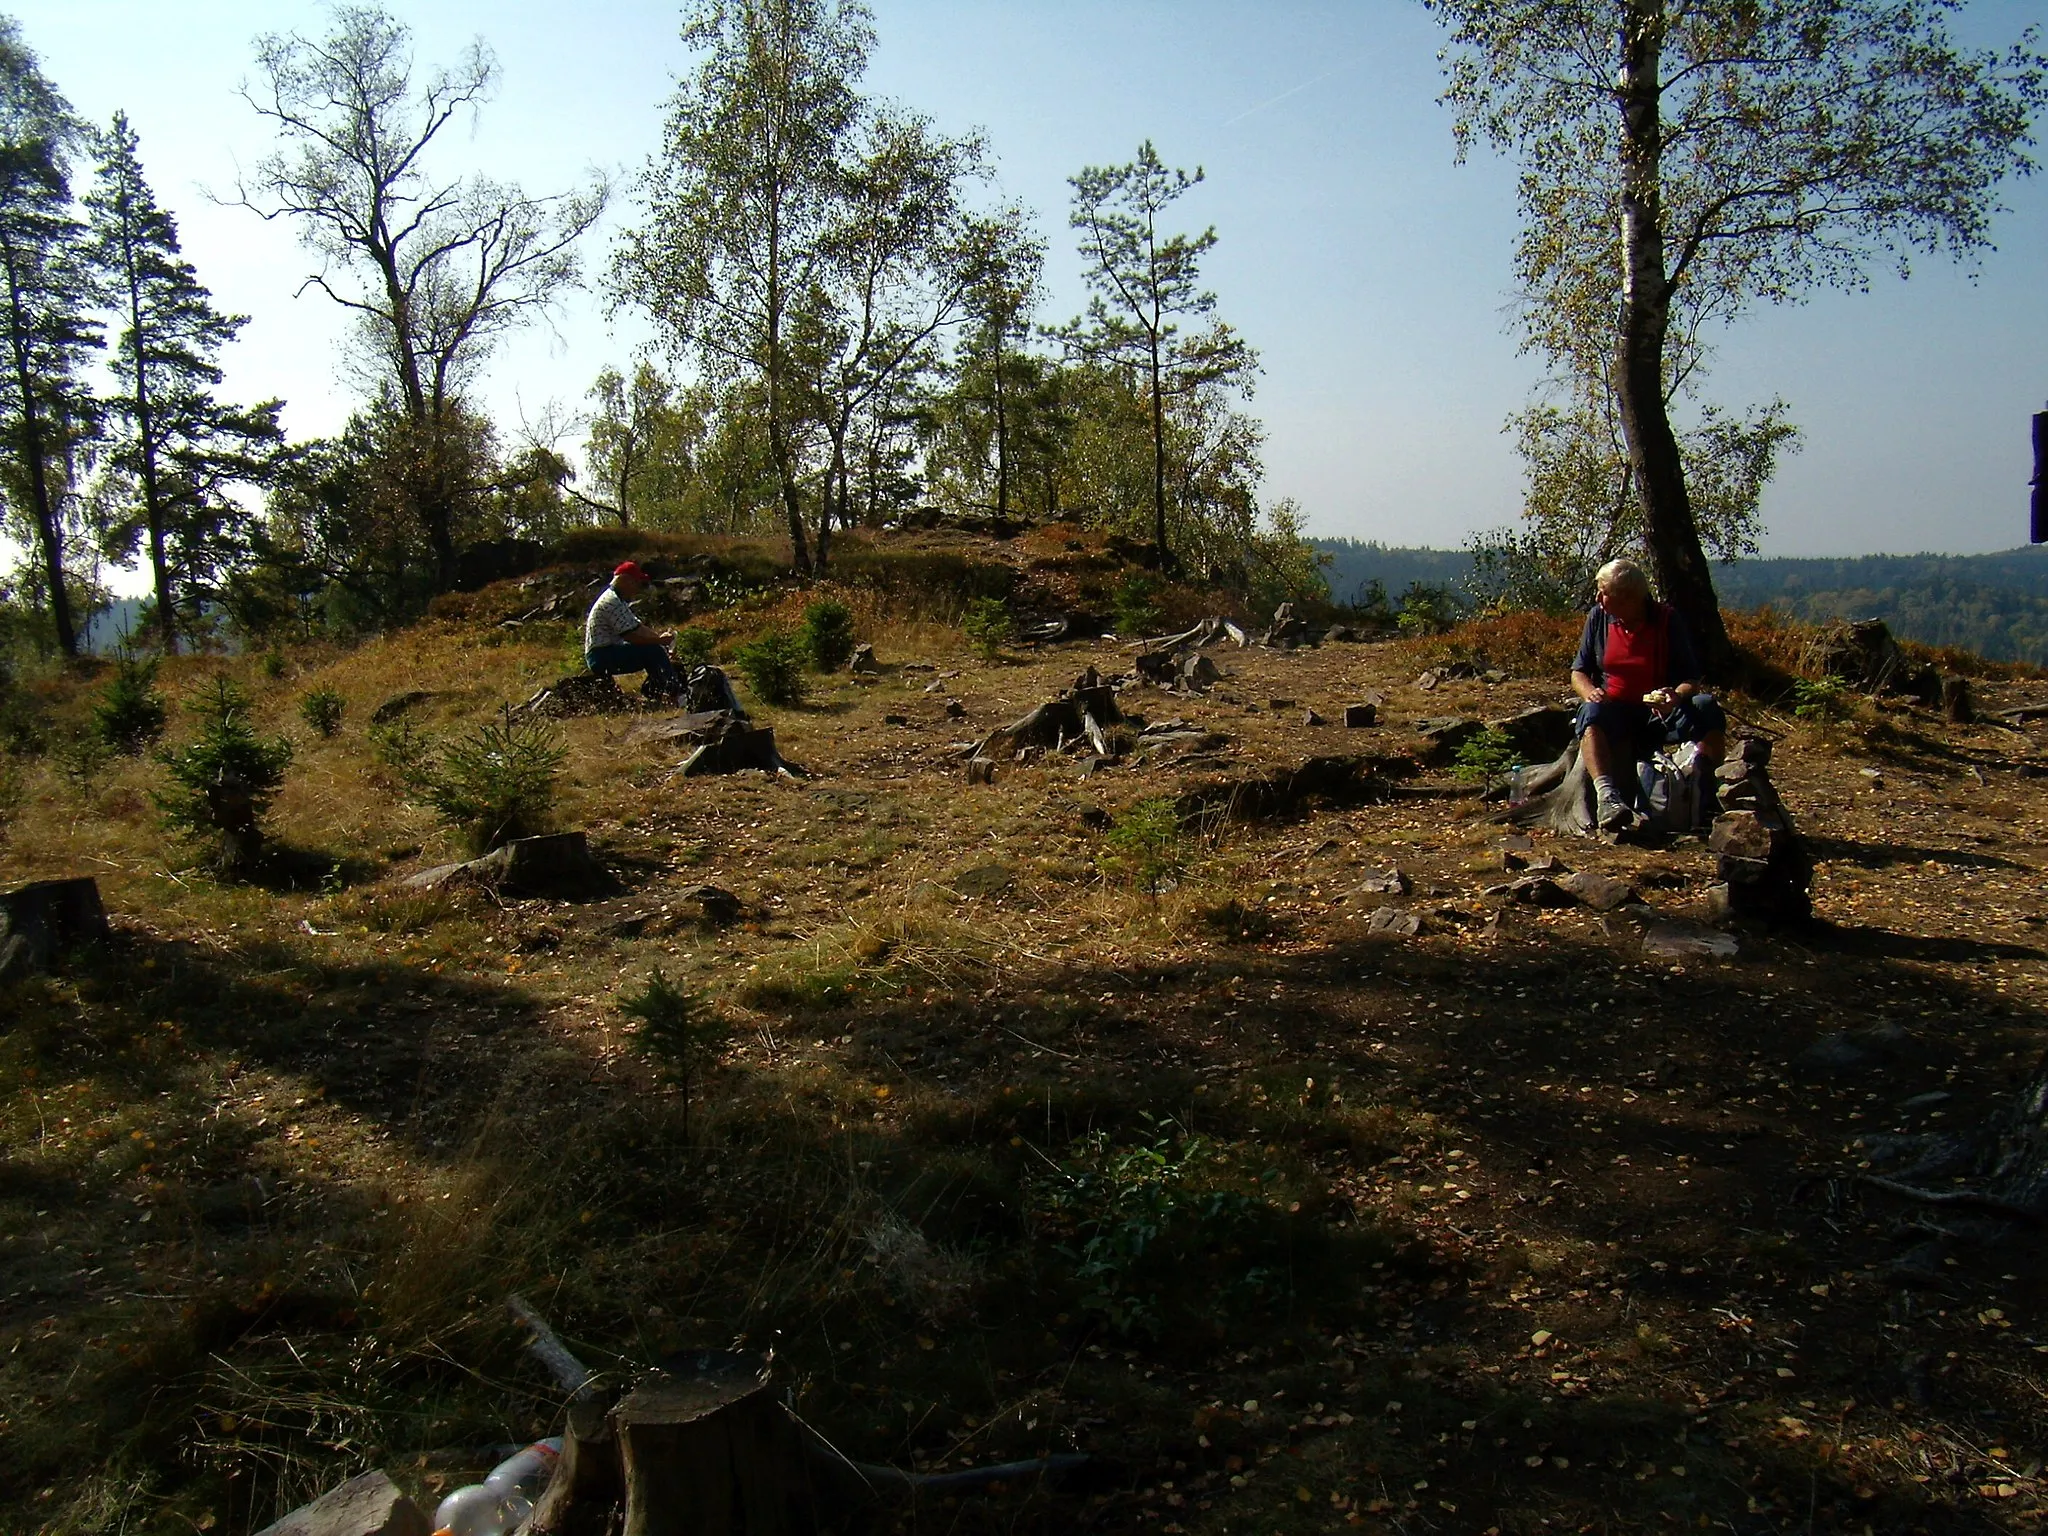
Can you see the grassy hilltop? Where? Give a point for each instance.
(1085, 1109)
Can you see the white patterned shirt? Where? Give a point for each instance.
(611, 620)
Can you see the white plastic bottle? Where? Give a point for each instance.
(527, 1473)
(501, 1503)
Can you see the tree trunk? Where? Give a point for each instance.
(1684, 578)
(711, 1456)
(48, 534)
(1159, 457)
(152, 498)
(1002, 442)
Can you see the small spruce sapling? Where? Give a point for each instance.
(130, 714)
(773, 666)
(1485, 758)
(1146, 845)
(224, 779)
(1135, 602)
(677, 1032)
(988, 626)
(827, 634)
(322, 710)
(494, 783)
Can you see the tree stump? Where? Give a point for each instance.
(1957, 706)
(41, 918)
(713, 1455)
(584, 1495)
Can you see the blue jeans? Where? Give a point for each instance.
(610, 660)
(1639, 731)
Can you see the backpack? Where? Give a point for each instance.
(1674, 797)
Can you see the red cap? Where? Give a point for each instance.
(628, 568)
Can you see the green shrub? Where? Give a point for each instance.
(1485, 757)
(1156, 1235)
(130, 714)
(400, 748)
(1145, 846)
(1427, 609)
(1821, 699)
(773, 666)
(827, 634)
(81, 759)
(322, 710)
(494, 783)
(677, 1032)
(693, 647)
(1135, 602)
(224, 779)
(274, 665)
(988, 626)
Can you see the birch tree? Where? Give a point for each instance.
(1701, 156)
(436, 268)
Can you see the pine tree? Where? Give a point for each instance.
(178, 447)
(47, 298)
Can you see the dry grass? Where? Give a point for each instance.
(275, 1158)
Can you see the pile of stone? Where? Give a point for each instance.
(1766, 872)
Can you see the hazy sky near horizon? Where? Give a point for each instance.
(1371, 272)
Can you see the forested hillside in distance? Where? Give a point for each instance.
(1995, 605)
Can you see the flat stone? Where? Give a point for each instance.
(369, 1505)
(1404, 922)
(1742, 835)
(1389, 882)
(1310, 717)
(1603, 893)
(1428, 682)
(1684, 941)
(1538, 891)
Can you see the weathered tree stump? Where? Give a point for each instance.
(713, 1455)
(584, 1495)
(1958, 707)
(44, 917)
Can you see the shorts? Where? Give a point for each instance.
(1643, 730)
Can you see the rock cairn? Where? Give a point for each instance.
(1765, 870)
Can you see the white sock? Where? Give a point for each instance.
(1608, 789)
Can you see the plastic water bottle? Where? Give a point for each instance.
(502, 1502)
(478, 1510)
(526, 1475)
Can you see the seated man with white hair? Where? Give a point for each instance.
(1639, 678)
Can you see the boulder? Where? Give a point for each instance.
(864, 663)
(715, 907)
(1538, 734)
(1742, 835)
(557, 863)
(1359, 716)
(1389, 882)
(398, 704)
(1445, 735)
(369, 1505)
(552, 863)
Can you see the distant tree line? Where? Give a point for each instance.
(1995, 605)
(849, 331)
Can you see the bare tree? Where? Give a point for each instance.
(436, 268)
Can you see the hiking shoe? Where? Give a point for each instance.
(1612, 815)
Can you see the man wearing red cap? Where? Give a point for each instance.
(615, 641)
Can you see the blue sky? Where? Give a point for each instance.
(1371, 272)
